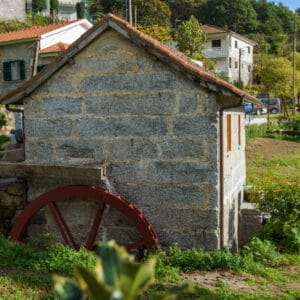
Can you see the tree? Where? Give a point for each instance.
(38, 5)
(99, 8)
(276, 77)
(190, 37)
(237, 15)
(152, 12)
(182, 10)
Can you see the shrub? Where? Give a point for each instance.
(282, 201)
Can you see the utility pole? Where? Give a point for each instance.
(294, 67)
(240, 67)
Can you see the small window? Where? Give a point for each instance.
(236, 65)
(216, 43)
(14, 70)
(249, 68)
(249, 49)
(230, 62)
(228, 117)
(236, 44)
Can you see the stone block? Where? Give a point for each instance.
(203, 196)
(188, 102)
(115, 127)
(158, 103)
(181, 172)
(131, 82)
(48, 128)
(62, 105)
(126, 173)
(70, 148)
(193, 125)
(167, 238)
(183, 218)
(38, 150)
(134, 148)
(182, 148)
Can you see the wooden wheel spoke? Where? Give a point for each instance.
(62, 225)
(95, 227)
(135, 245)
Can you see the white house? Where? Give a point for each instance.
(24, 52)
(66, 10)
(231, 52)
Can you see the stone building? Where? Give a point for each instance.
(171, 133)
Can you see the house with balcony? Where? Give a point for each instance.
(66, 10)
(231, 52)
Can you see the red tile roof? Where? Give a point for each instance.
(31, 33)
(55, 48)
(213, 29)
(173, 58)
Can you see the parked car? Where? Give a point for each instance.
(251, 108)
(272, 104)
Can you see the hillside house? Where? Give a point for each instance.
(231, 52)
(24, 52)
(171, 133)
(66, 9)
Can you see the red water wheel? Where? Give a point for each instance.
(104, 198)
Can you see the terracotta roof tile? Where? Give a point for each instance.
(213, 29)
(55, 48)
(31, 33)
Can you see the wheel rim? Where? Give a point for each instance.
(105, 198)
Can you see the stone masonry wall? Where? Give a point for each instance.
(118, 105)
(11, 202)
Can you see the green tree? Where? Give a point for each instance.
(276, 77)
(152, 12)
(237, 15)
(99, 8)
(38, 5)
(54, 5)
(190, 37)
(182, 10)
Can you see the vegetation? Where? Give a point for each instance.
(191, 38)
(3, 138)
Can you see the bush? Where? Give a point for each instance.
(282, 201)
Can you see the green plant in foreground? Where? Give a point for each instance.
(116, 276)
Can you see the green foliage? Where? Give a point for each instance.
(38, 5)
(116, 276)
(55, 259)
(255, 131)
(190, 37)
(263, 252)
(80, 7)
(3, 138)
(160, 33)
(276, 77)
(54, 5)
(237, 15)
(282, 201)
